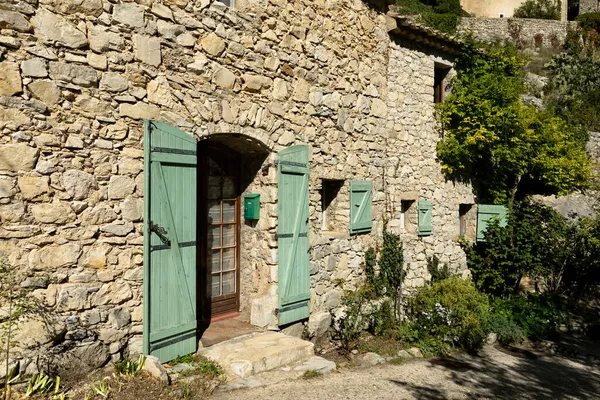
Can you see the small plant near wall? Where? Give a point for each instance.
(19, 305)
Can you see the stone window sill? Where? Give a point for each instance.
(334, 234)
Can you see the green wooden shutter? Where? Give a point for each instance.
(170, 321)
(361, 209)
(485, 213)
(292, 235)
(425, 209)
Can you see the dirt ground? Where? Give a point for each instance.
(497, 373)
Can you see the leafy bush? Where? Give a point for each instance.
(438, 273)
(443, 15)
(391, 268)
(507, 330)
(354, 319)
(450, 313)
(589, 21)
(538, 315)
(533, 243)
(562, 256)
(539, 9)
(506, 149)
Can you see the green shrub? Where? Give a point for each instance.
(538, 315)
(450, 313)
(539, 9)
(382, 321)
(589, 21)
(443, 15)
(438, 273)
(507, 330)
(534, 243)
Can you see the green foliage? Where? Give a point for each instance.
(391, 267)
(438, 273)
(19, 305)
(539, 9)
(311, 374)
(209, 368)
(130, 368)
(538, 315)
(382, 320)
(443, 15)
(101, 388)
(370, 264)
(508, 331)
(589, 21)
(573, 89)
(355, 318)
(562, 256)
(448, 314)
(42, 384)
(505, 148)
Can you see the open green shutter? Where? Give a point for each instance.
(425, 208)
(170, 250)
(292, 235)
(361, 209)
(485, 214)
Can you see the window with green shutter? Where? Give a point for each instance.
(361, 219)
(485, 214)
(425, 209)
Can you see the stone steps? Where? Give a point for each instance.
(258, 352)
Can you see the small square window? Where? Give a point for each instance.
(331, 214)
(228, 3)
(409, 217)
(467, 221)
(439, 78)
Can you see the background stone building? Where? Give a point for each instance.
(502, 9)
(335, 92)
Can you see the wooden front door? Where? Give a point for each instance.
(221, 226)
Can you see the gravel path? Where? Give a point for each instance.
(495, 374)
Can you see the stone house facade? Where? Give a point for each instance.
(502, 9)
(85, 87)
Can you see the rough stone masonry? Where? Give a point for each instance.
(77, 79)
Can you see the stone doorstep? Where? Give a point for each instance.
(282, 374)
(251, 354)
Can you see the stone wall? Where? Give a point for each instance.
(76, 81)
(525, 33)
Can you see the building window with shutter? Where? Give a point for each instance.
(333, 217)
(439, 78)
(486, 213)
(467, 221)
(408, 217)
(361, 209)
(228, 3)
(425, 208)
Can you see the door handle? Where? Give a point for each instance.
(161, 233)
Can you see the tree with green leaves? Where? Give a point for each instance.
(443, 15)
(507, 150)
(539, 9)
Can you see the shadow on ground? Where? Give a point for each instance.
(528, 376)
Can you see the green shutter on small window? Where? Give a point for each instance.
(485, 214)
(425, 209)
(361, 210)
